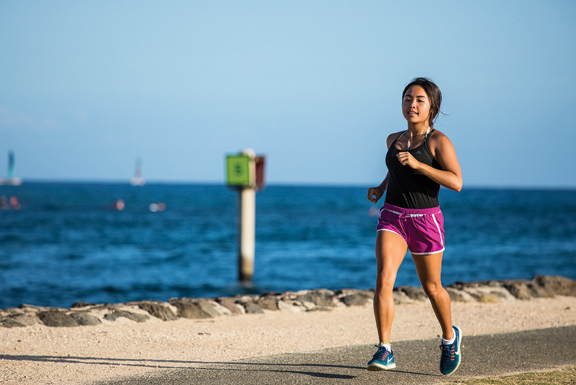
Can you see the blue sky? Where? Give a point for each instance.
(87, 88)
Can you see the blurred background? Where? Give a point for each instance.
(93, 94)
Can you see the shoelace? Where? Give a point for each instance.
(448, 352)
(381, 353)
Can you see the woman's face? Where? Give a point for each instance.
(416, 106)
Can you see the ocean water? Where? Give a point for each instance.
(67, 244)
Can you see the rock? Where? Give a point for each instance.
(187, 309)
(37, 308)
(110, 317)
(415, 293)
(320, 298)
(523, 289)
(10, 323)
(85, 319)
(519, 289)
(158, 310)
(207, 307)
(219, 309)
(369, 293)
(11, 311)
(489, 294)
(253, 308)
(291, 306)
(268, 303)
(400, 297)
(289, 295)
(82, 304)
(57, 319)
(484, 296)
(26, 319)
(345, 292)
(242, 299)
(271, 294)
(459, 295)
(460, 285)
(307, 305)
(81, 313)
(467, 285)
(556, 284)
(229, 304)
(197, 308)
(354, 300)
(116, 313)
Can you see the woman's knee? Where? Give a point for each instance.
(433, 290)
(385, 279)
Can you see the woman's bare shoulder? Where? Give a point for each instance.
(393, 137)
(439, 140)
(438, 137)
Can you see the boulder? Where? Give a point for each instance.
(110, 317)
(467, 285)
(76, 305)
(57, 319)
(415, 293)
(524, 290)
(14, 316)
(253, 308)
(457, 295)
(556, 284)
(158, 310)
(130, 315)
(10, 323)
(85, 319)
(35, 308)
(319, 298)
(291, 306)
(229, 304)
(208, 307)
(354, 300)
(268, 303)
(188, 309)
(400, 297)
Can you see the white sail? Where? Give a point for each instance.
(11, 180)
(138, 180)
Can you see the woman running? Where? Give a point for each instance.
(419, 160)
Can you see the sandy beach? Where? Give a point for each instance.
(39, 354)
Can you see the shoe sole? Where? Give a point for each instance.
(459, 344)
(378, 367)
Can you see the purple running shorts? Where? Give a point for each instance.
(421, 229)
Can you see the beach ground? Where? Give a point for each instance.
(39, 354)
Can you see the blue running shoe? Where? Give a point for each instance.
(451, 354)
(382, 360)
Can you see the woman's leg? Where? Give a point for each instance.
(429, 269)
(390, 251)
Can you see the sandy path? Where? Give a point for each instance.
(43, 355)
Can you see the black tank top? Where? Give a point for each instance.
(409, 188)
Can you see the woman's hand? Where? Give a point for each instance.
(375, 193)
(406, 159)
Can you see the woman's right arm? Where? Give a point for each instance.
(375, 193)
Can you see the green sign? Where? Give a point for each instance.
(238, 170)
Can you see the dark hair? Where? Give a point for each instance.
(433, 93)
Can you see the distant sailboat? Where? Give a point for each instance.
(11, 180)
(138, 180)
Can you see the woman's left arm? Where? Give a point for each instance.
(443, 151)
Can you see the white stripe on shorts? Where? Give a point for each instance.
(439, 232)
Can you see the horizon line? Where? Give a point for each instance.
(275, 184)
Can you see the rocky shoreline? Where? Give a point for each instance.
(83, 314)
